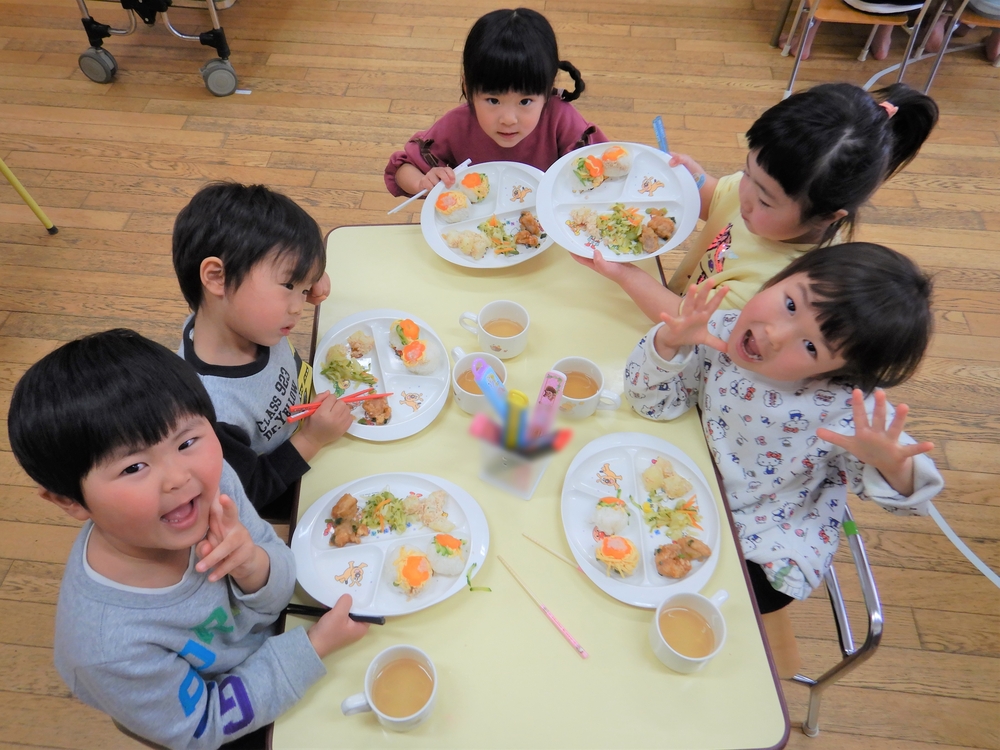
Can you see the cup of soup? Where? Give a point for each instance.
(501, 326)
(400, 688)
(468, 395)
(584, 391)
(688, 630)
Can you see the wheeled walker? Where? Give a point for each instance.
(99, 65)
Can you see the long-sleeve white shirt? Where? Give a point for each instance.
(786, 488)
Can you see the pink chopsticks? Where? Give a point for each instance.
(301, 411)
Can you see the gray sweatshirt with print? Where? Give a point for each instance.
(193, 665)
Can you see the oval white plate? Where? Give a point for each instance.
(615, 462)
(513, 188)
(651, 183)
(416, 399)
(365, 570)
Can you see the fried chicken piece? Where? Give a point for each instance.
(530, 224)
(694, 548)
(650, 242)
(377, 410)
(674, 560)
(524, 237)
(671, 561)
(346, 530)
(661, 224)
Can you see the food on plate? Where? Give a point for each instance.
(661, 476)
(377, 411)
(340, 368)
(468, 242)
(617, 162)
(347, 529)
(531, 231)
(360, 343)
(674, 560)
(452, 206)
(429, 510)
(611, 515)
(496, 233)
(622, 231)
(618, 554)
(401, 333)
(418, 357)
(413, 570)
(475, 185)
(447, 555)
(384, 512)
(590, 171)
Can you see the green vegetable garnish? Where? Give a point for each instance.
(339, 366)
(468, 579)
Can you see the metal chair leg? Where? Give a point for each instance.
(810, 22)
(853, 657)
(868, 45)
(787, 49)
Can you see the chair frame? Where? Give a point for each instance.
(811, 21)
(853, 656)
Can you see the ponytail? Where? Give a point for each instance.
(916, 115)
(831, 147)
(579, 85)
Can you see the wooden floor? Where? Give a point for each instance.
(336, 87)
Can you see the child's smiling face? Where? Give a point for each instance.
(778, 335)
(769, 213)
(156, 499)
(508, 118)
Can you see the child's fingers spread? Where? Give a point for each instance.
(915, 450)
(833, 437)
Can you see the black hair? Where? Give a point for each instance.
(874, 310)
(514, 50)
(830, 147)
(242, 225)
(96, 396)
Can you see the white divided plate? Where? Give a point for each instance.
(513, 189)
(416, 399)
(365, 570)
(651, 183)
(616, 462)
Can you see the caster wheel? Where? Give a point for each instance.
(220, 78)
(98, 65)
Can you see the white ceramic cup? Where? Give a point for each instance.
(707, 608)
(473, 403)
(359, 702)
(502, 347)
(578, 408)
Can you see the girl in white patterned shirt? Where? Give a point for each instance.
(782, 387)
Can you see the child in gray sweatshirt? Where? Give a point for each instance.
(167, 607)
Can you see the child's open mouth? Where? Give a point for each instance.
(182, 515)
(748, 347)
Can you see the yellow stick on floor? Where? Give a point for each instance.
(16, 184)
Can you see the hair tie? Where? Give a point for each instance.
(890, 108)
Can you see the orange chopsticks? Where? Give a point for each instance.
(301, 411)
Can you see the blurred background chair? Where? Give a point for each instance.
(835, 11)
(960, 14)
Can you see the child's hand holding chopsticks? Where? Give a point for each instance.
(330, 420)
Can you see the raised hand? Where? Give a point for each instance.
(877, 445)
(319, 291)
(228, 548)
(689, 327)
